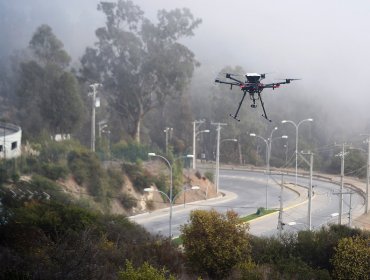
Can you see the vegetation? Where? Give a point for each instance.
(260, 212)
(137, 60)
(62, 241)
(50, 232)
(352, 258)
(214, 243)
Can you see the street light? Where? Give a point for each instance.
(171, 200)
(296, 143)
(170, 197)
(94, 88)
(268, 142)
(195, 134)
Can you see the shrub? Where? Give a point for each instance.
(198, 175)
(131, 151)
(115, 179)
(54, 171)
(209, 176)
(145, 271)
(214, 243)
(15, 177)
(127, 201)
(139, 177)
(86, 168)
(149, 204)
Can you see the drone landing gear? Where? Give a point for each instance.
(235, 117)
(263, 107)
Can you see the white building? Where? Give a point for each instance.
(10, 140)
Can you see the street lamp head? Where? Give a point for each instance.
(284, 136)
(252, 134)
(190, 156)
(310, 120)
(291, 223)
(275, 128)
(148, 190)
(206, 131)
(283, 121)
(195, 188)
(151, 154)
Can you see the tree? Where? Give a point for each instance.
(144, 272)
(352, 258)
(48, 93)
(214, 242)
(139, 63)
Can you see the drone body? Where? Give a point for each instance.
(253, 86)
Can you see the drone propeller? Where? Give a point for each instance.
(289, 80)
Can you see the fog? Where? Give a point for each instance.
(325, 43)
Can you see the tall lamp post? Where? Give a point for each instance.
(170, 197)
(296, 143)
(195, 134)
(218, 129)
(171, 201)
(268, 143)
(94, 88)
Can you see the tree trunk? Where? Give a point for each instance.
(136, 135)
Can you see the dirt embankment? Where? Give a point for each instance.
(156, 200)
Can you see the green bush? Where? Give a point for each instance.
(115, 179)
(53, 151)
(54, 171)
(87, 170)
(209, 176)
(161, 182)
(131, 151)
(139, 177)
(145, 271)
(127, 201)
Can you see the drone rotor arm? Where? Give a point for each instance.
(228, 83)
(236, 80)
(273, 85)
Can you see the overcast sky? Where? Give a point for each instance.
(327, 43)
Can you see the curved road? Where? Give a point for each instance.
(245, 192)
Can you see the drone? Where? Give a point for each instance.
(254, 87)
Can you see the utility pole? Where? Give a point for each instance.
(342, 155)
(93, 95)
(218, 154)
(310, 163)
(168, 130)
(341, 193)
(196, 124)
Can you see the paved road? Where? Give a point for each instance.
(246, 191)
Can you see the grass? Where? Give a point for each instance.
(258, 214)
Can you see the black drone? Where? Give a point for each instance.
(254, 87)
